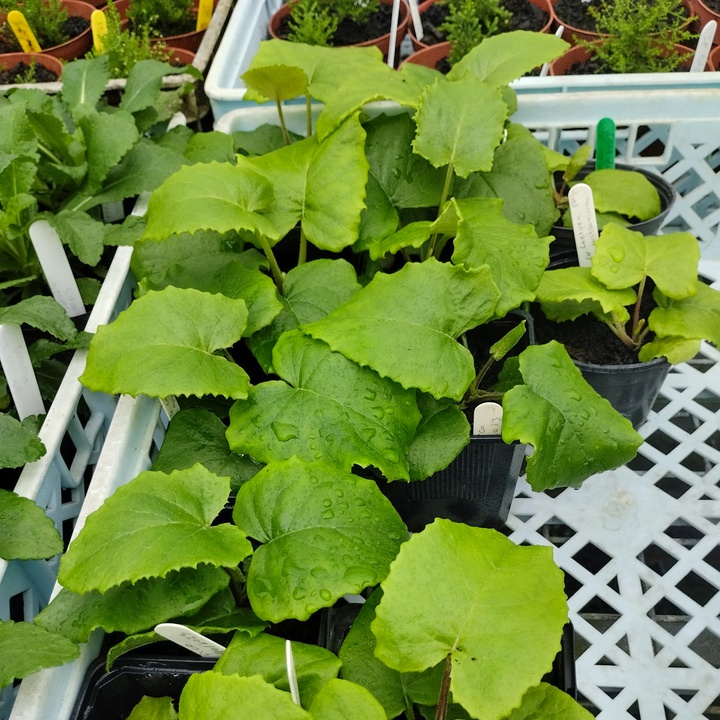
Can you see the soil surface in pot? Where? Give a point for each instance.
(714, 5)
(352, 33)
(597, 67)
(525, 16)
(74, 25)
(6, 46)
(575, 13)
(16, 74)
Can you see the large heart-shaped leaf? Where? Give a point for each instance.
(132, 607)
(154, 524)
(575, 432)
(624, 192)
(404, 325)
(460, 124)
(165, 344)
(316, 524)
(479, 615)
(265, 655)
(693, 318)
(26, 648)
(27, 532)
(624, 257)
(329, 408)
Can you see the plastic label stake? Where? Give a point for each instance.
(393, 32)
(205, 8)
(545, 69)
(585, 229)
(170, 406)
(487, 419)
(190, 640)
(292, 676)
(56, 267)
(19, 372)
(704, 46)
(417, 20)
(25, 36)
(98, 24)
(605, 145)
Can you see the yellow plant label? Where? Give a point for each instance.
(23, 33)
(98, 24)
(205, 9)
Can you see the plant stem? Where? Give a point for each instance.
(302, 255)
(443, 198)
(237, 585)
(308, 114)
(283, 127)
(274, 267)
(638, 302)
(441, 711)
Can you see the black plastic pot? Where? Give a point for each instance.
(564, 239)
(630, 389)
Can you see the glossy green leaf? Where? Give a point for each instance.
(26, 648)
(693, 318)
(516, 256)
(178, 328)
(41, 312)
(625, 192)
(568, 293)
(130, 608)
(404, 325)
(154, 708)
(20, 444)
(143, 84)
(308, 560)
(577, 162)
(265, 655)
(379, 219)
(212, 196)
(460, 124)
(623, 258)
(340, 699)
(154, 524)
(198, 436)
(545, 701)
(310, 292)
(84, 82)
(413, 235)
(323, 185)
(211, 695)
(575, 432)
(503, 58)
(478, 615)
(126, 233)
(27, 532)
(674, 349)
(328, 408)
(393, 689)
(212, 146)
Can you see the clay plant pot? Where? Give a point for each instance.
(573, 34)
(714, 59)
(544, 5)
(75, 47)
(10, 60)
(577, 54)
(180, 57)
(430, 55)
(382, 42)
(705, 15)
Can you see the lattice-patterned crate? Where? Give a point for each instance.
(74, 430)
(640, 547)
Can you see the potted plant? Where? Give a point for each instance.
(20, 68)
(705, 12)
(645, 298)
(61, 27)
(319, 22)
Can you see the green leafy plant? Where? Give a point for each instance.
(315, 21)
(46, 19)
(626, 265)
(124, 48)
(161, 17)
(620, 196)
(468, 22)
(639, 37)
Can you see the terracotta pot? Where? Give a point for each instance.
(714, 59)
(9, 60)
(430, 55)
(80, 44)
(572, 34)
(181, 56)
(705, 15)
(576, 54)
(383, 42)
(187, 41)
(544, 5)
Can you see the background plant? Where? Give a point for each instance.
(469, 22)
(162, 17)
(640, 36)
(46, 18)
(315, 21)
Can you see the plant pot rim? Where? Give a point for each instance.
(77, 46)
(624, 368)
(49, 62)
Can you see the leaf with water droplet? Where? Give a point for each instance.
(546, 413)
(300, 537)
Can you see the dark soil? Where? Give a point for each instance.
(74, 25)
(10, 76)
(714, 5)
(351, 33)
(575, 13)
(6, 46)
(526, 16)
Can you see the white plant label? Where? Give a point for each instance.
(704, 46)
(112, 211)
(292, 676)
(395, 18)
(56, 267)
(190, 640)
(545, 69)
(170, 405)
(487, 419)
(417, 20)
(19, 372)
(585, 229)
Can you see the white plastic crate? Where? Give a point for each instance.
(73, 433)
